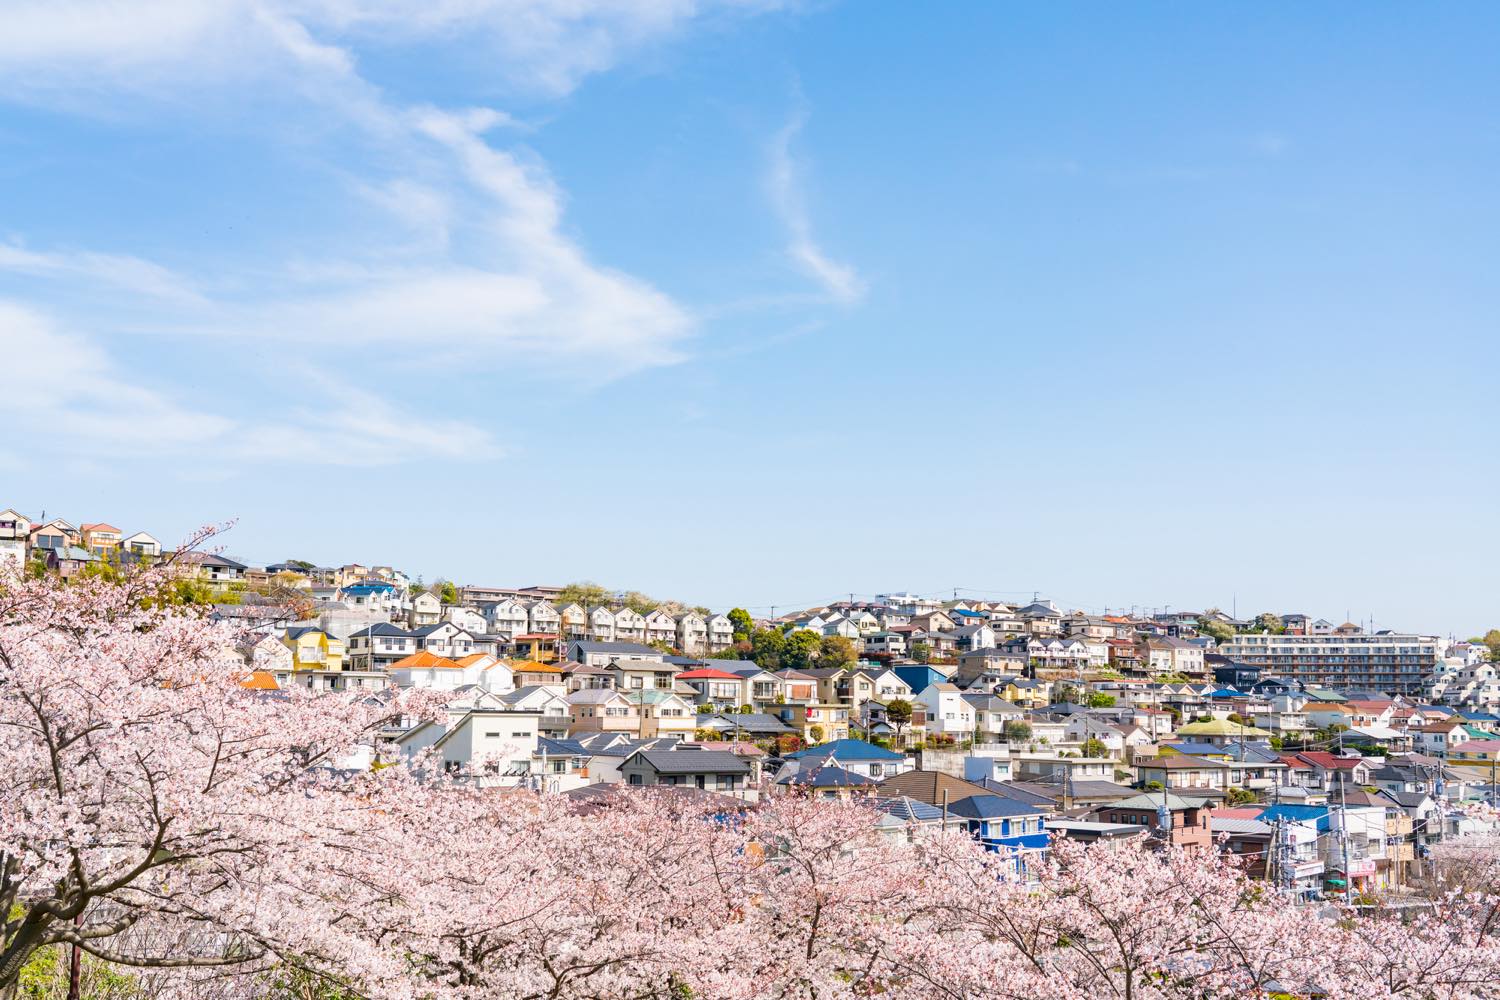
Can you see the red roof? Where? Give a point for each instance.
(1244, 812)
(708, 674)
(1328, 761)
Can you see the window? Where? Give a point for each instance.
(492, 736)
(635, 779)
(520, 736)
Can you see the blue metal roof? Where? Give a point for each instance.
(848, 751)
(991, 807)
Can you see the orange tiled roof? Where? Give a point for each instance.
(473, 658)
(101, 526)
(533, 667)
(260, 680)
(424, 660)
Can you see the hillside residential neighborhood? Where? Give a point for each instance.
(1332, 759)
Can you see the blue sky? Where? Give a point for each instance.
(760, 303)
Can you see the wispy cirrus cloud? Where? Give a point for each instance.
(119, 271)
(99, 408)
(478, 268)
(840, 281)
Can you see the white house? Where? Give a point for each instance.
(948, 714)
(496, 745)
(692, 633)
(508, 617)
(720, 632)
(426, 609)
(601, 624)
(542, 617)
(630, 625)
(659, 626)
(468, 619)
(141, 544)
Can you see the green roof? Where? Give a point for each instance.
(1219, 727)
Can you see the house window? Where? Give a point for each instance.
(635, 779)
(492, 736)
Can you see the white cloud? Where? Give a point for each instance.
(90, 406)
(132, 274)
(840, 281)
(547, 45)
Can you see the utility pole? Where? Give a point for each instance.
(1344, 841)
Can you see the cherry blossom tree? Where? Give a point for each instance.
(172, 823)
(148, 801)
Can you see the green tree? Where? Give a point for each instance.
(641, 603)
(1491, 641)
(743, 625)
(815, 733)
(584, 592)
(766, 645)
(800, 649)
(1238, 796)
(1069, 692)
(1094, 748)
(837, 651)
(1153, 786)
(898, 713)
(1098, 699)
(1017, 731)
(1217, 630)
(446, 591)
(921, 652)
(1268, 621)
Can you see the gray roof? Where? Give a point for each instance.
(1151, 800)
(756, 724)
(909, 809)
(1220, 824)
(587, 646)
(593, 696)
(824, 776)
(560, 748)
(691, 761)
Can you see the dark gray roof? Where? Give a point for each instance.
(909, 809)
(383, 628)
(587, 646)
(1011, 790)
(560, 748)
(693, 761)
(991, 807)
(756, 724)
(824, 777)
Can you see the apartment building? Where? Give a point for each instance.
(1384, 661)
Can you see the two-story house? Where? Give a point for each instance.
(710, 770)
(660, 627)
(445, 639)
(314, 649)
(379, 646)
